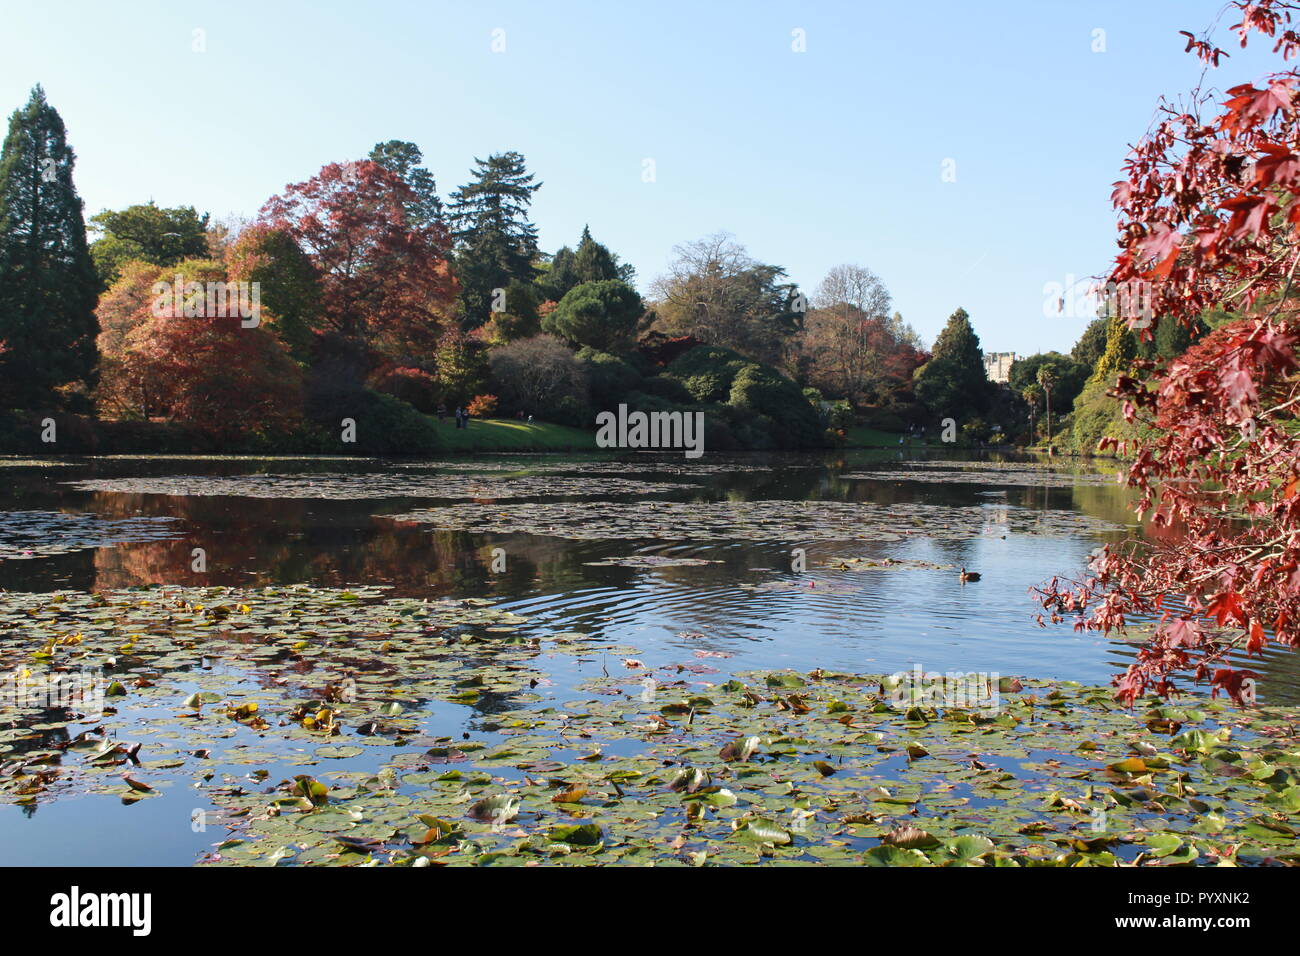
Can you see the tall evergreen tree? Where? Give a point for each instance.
(561, 277)
(1092, 343)
(404, 159)
(954, 383)
(495, 242)
(592, 262)
(1171, 338)
(48, 285)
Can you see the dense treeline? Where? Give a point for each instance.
(358, 306)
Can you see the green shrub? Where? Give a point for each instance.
(667, 387)
(707, 387)
(1096, 416)
(609, 377)
(572, 411)
(793, 422)
(384, 425)
(20, 433)
(718, 431)
(600, 314)
(709, 360)
(645, 402)
(977, 431)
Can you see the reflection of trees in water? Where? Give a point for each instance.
(259, 542)
(45, 776)
(1110, 502)
(75, 569)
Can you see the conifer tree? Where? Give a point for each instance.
(495, 242)
(403, 159)
(48, 285)
(592, 262)
(954, 383)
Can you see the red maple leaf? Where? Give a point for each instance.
(1227, 605)
(1252, 107)
(1161, 245)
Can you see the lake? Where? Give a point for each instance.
(596, 570)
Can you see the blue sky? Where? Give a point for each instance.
(810, 159)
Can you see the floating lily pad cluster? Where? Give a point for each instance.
(483, 465)
(655, 466)
(342, 486)
(887, 564)
(637, 466)
(983, 473)
(755, 520)
(300, 714)
(651, 561)
(802, 582)
(807, 769)
(1056, 465)
(219, 670)
(38, 534)
(311, 459)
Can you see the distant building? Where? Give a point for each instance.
(997, 365)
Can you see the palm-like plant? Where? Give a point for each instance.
(1032, 394)
(1047, 379)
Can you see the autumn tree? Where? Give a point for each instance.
(124, 390)
(217, 373)
(48, 285)
(1208, 215)
(221, 378)
(404, 160)
(386, 288)
(850, 346)
(716, 292)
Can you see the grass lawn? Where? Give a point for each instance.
(504, 434)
